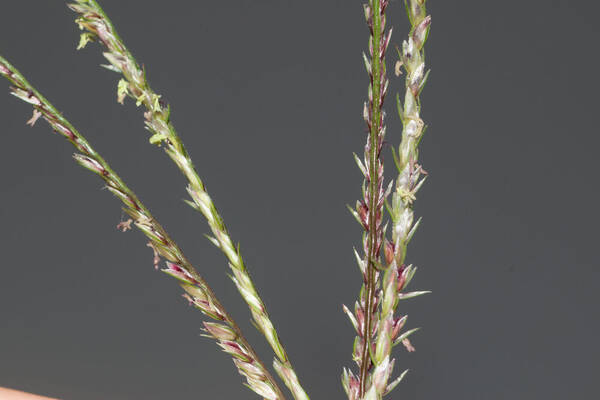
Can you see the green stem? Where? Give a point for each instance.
(374, 182)
(144, 220)
(95, 21)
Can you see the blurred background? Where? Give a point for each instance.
(267, 96)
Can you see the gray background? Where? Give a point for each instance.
(267, 96)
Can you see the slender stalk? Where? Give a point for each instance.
(411, 175)
(397, 275)
(379, 330)
(224, 330)
(375, 182)
(369, 211)
(157, 118)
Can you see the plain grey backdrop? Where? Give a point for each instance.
(267, 95)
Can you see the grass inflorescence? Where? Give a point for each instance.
(382, 261)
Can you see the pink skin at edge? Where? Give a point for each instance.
(9, 394)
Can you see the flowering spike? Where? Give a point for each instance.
(198, 292)
(157, 120)
(400, 205)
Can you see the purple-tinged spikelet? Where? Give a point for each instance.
(373, 319)
(134, 84)
(225, 331)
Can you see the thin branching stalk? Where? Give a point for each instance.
(374, 317)
(369, 210)
(411, 176)
(224, 329)
(380, 331)
(157, 118)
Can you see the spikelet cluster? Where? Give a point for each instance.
(385, 272)
(228, 337)
(385, 331)
(134, 84)
(224, 329)
(369, 210)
